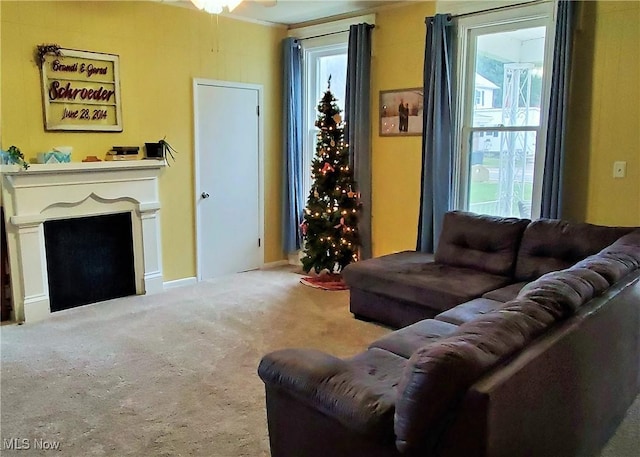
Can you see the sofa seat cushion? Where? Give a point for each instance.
(469, 311)
(407, 340)
(359, 392)
(484, 243)
(506, 293)
(552, 244)
(405, 261)
(404, 277)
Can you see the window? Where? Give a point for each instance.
(503, 68)
(323, 57)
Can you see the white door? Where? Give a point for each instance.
(228, 178)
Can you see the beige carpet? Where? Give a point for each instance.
(174, 374)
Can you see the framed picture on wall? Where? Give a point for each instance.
(81, 90)
(401, 112)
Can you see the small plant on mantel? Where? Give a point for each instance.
(14, 156)
(167, 149)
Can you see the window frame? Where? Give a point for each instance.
(312, 50)
(318, 35)
(467, 28)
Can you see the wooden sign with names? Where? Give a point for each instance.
(81, 91)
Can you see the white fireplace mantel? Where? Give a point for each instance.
(61, 191)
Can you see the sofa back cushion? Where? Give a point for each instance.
(565, 291)
(608, 265)
(626, 246)
(438, 374)
(551, 245)
(484, 243)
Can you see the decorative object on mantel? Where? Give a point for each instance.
(80, 89)
(44, 49)
(91, 159)
(153, 151)
(13, 155)
(125, 150)
(123, 153)
(59, 154)
(160, 150)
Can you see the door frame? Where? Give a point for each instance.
(196, 162)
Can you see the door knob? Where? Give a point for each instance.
(204, 195)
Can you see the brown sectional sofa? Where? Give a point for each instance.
(550, 372)
(477, 256)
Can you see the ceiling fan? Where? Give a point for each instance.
(218, 6)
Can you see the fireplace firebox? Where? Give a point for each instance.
(89, 259)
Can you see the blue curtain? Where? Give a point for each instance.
(358, 129)
(437, 135)
(293, 200)
(555, 148)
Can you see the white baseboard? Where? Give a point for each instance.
(294, 258)
(180, 283)
(153, 283)
(276, 264)
(35, 309)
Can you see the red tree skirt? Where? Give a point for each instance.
(325, 282)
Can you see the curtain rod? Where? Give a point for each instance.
(371, 26)
(491, 10)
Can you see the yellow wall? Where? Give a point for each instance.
(161, 48)
(604, 122)
(397, 62)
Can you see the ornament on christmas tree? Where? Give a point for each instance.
(330, 226)
(341, 225)
(327, 168)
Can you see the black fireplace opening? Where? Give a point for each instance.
(89, 259)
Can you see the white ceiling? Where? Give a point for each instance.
(293, 12)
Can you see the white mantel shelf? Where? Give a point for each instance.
(47, 192)
(72, 167)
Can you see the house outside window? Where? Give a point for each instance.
(502, 110)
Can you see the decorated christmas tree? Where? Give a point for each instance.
(329, 228)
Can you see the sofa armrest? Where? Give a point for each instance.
(299, 371)
(338, 388)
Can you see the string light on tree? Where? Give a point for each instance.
(332, 195)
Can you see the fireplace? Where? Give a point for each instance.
(55, 200)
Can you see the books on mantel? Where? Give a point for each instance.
(121, 157)
(124, 150)
(123, 153)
